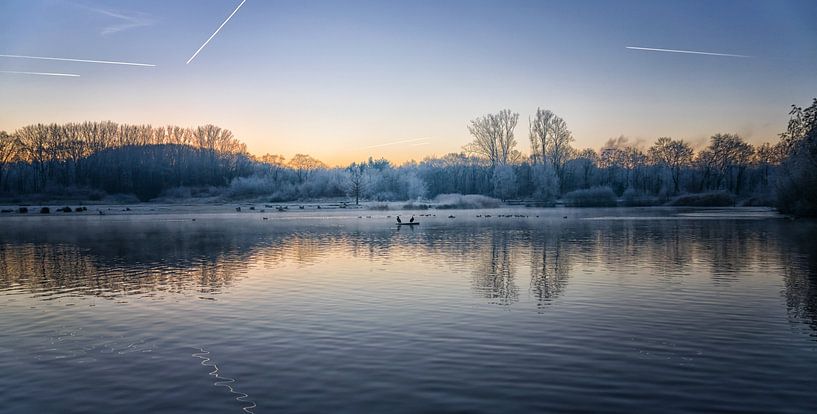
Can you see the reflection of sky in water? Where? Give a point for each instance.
(348, 314)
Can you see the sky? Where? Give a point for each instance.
(345, 80)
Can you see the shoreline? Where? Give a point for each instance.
(367, 210)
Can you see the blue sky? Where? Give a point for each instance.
(337, 79)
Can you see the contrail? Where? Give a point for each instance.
(405, 141)
(14, 72)
(216, 32)
(691, 52)
(106, 62)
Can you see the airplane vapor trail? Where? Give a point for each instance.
(15, 72)
(691, 52)
(405, 141)
(215, 33)
(106, 62)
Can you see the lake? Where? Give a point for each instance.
(596, 310)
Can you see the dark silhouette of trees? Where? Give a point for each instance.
(8, 151)
(137, 159)
(797, 183)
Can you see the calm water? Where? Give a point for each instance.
(604, 311)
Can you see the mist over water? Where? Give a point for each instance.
(661, 310)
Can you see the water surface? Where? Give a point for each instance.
(609, 310)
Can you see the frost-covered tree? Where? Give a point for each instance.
(550, 143)
(727, 156)
(356, 174)
(673, 155)
(545, 183)
(493, 137)
(504, 182)
(540, 134)
(587, 161)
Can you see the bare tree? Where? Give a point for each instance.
(728, 153)
(540, 134)
(767, 155)
(550, 143)
(493, 137)
(559, 150)
(587, 160)
(8, 152)
(36, 149)
(304, 164)
(672, 154)
(357, 174)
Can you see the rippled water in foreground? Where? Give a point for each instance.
(605, 311)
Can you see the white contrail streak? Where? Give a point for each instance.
(691, 52)
(14, 72)
(405, 141)
(106, 62)
(215, 33)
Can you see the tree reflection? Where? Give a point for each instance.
(494, 274)
(49, 269)
(123, 258)
(550, 269)
(800, 270)
(143, 257)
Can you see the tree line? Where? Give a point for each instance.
(118, 158)
(152, 161)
